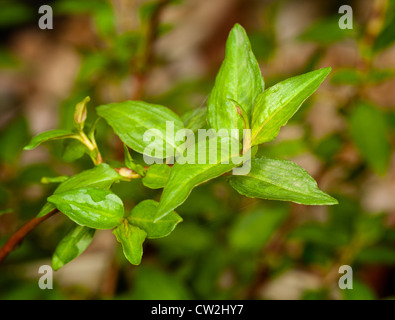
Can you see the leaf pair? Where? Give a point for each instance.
(81, 142)
(239, 84)
(93, 208)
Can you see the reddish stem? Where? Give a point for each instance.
(21, 233)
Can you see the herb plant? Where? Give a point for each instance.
(238, 101)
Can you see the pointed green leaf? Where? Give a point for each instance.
(143, 216)
(81, 113)
(90, 207)
(184, 177)
(280, 180)
(101, 176)
(368, 131)
(131, 119)
(72, 245)
(49, 135)
(131, 238)
(274, 107)
(156, 176)
(239, 78)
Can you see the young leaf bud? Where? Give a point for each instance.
(81, 113)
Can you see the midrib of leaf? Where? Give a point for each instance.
(98, 211)
(105, 179)
(185, 182)
(203, 171)
(277, 111)
(154, 175)
(151, 221)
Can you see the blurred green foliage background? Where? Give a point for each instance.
(168, 52)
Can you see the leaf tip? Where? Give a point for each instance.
(326, 71)
(328, 200)
(56, 263)
(27, 147)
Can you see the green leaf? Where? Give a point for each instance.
(368, 130)
(280, 180)
(72, 245)
(195, 119)
(274, 107)
(184, 177)
(143, 216)
(131, 238)
(156, 176)
(132, 119)
(81, 113)
(90, 207)
(253, 230)
(239, 79)
(49, 135)
(101, 176)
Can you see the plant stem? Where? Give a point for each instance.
(94, 152)
(21, 233)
